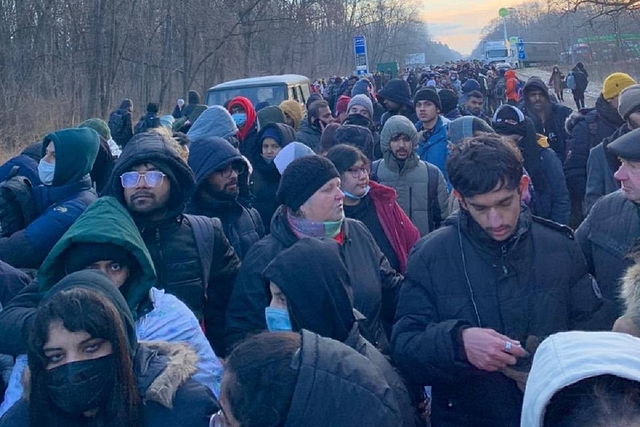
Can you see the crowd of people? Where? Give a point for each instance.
(451, 248)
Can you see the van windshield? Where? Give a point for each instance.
(274, 95)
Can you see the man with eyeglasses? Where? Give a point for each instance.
(217, 166)
(422, 190)
(192, 257)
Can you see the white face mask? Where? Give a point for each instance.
(46, 172)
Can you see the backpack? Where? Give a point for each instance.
(117, 122)
(500, 88)
(204, 234)
(571, 81)
(519, 89)
(147, 122)
(17, 203)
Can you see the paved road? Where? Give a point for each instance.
(590, 96)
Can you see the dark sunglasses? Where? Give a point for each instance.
(152, 178)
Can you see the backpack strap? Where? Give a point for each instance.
(374, 172)
(435, 213)
(204, 233)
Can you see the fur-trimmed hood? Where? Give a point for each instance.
(161, 368)
(630, 293)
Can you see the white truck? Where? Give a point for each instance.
(497, 51)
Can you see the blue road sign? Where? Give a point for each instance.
(360, 50)
(521, 55)
(520, 40)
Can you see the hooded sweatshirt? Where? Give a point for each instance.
(329, 373)
(566, 358)
(315, 280)
(214, 121)
(163, 371)
(243, 227)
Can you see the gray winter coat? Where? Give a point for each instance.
(309, 135)
(411, 182)
(606, 237)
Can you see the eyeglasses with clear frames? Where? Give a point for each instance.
(356, 172)
(151, 178)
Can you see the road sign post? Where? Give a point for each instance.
(360, 51)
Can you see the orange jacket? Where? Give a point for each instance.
(512, 81)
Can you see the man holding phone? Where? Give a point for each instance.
(478, 290)
(318, 117)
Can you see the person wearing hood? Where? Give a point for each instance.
(293, 113)
(269, 115)
(88, 368)
(556, 81)
(602, 163)
(548, 117)
(266, 177)
(420, 186)
(396, 98)
(361, 113)
(492, 279)
(581, 81)
(152, 181)
(317, 119)
(609, 233)
(27, 163)
(366, 88)
(121, 123)
(584, 379)
(320, 382)
(215, 121)
(68, 156)
(244, 115)
(107, 152)
(312, 206)
(432, 129)
(586, 129)
(551, 197)
(374, 204)
(511, 87)
(105, 238)
(217, 167)
(309, 285)
(449, 104)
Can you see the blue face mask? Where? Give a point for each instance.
(46, 171)
(353, 197)
(239, 118)
(277, 319)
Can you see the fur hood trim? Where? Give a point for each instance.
(630, 293)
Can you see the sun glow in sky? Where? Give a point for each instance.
(459, 23)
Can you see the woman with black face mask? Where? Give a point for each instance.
(87, 368)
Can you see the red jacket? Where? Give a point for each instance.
(397, 226)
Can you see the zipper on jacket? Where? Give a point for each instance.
(161, 258)
(503, 249)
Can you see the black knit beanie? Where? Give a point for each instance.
(303, 177)
(449, 101)
(81, 255)
(428, 94)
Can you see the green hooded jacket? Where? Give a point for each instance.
(105, 221)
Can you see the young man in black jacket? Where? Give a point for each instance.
(481, 288)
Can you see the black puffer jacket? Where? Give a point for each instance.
(266, 178)
(332, 374)
(535, 284)
(171, 241)
(607, 237)
(375, 284)
(242, 226)
(587, 128)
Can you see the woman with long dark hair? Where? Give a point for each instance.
(87, 368)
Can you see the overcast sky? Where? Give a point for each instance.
(459, 23)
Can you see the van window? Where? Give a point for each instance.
(274, 95)
(302, 97)
(305, 92)
(294, 94)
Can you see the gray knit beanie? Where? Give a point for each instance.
(629, 100)
(363, 101)
(397, 125)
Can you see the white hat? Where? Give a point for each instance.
(566, 358)
(289, 153)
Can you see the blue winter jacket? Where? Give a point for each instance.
(435, 149)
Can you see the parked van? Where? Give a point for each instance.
(272, 89)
